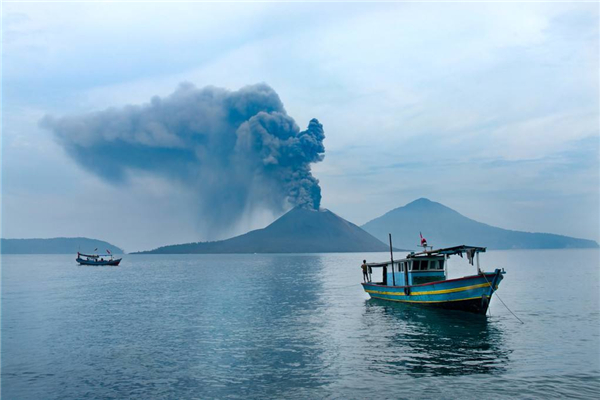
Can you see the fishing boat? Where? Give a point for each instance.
(97, 259)
(421, 278)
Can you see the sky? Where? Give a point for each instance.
(491, 109)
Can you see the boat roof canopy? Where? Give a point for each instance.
(435, 253)
(449, 251)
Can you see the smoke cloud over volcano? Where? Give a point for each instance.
(235, 150)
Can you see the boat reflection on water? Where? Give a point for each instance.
(423, 341)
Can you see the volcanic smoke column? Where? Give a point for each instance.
(235, 150)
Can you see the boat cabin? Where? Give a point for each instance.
(423, 267)
(421, 270)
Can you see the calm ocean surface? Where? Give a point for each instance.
(293, 327)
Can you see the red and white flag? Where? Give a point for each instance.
(423, 240)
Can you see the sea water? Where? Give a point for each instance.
(293, 327)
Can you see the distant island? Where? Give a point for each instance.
(443, 227)
(56, 246)
(301, 230)
(304, 230)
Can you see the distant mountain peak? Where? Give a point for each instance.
(420, 200)
(299, 212)
(443, 226)
(300, 230)
(306, 209)
(424, 203)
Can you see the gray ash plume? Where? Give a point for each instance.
(235, 150)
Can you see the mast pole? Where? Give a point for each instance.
(392, 259)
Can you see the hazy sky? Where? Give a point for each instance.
(491, 109)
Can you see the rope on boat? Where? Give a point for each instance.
(494, 291)
(344, 287)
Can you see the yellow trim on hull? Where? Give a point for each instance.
(444, 291)
(429, 301)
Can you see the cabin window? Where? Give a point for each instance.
(441, 264)
(417, 265)
(433, 264)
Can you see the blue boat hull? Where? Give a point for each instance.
(471, 293)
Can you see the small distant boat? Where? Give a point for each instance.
(420, 278)
(97, 259)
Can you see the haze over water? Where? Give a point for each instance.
(291, 326)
